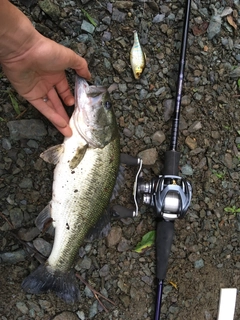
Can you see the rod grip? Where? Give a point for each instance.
(164, 238)
(171, 163)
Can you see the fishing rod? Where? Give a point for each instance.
(169, 194)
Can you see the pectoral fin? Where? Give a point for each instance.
(52, 154)
(77, 158)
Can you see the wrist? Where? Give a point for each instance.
(17, 34)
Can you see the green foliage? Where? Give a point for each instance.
(147, 241)
(232, 209)
(13, 100)
(91, 20)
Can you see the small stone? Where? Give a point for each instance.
(81, 315)
(26, 183)
(86, 263)
(66, 315)
(6, 144)
(22, 307)
(191, 143)
(119, 66)
(123, 245)
(104, 271)
(168, 108)
(16, 216)
(159, 18)
(158, 137)
(198, 264)
(149, 156)
(51, 9)
(26, 129)
(28, 234)
(118, 15)
(195, 126)
(114, 236)
(187, 170)
(88, 27)
(228, 160)
(42, 246)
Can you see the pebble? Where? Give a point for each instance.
(26, 129)
(198, 264)
(149, 156)
(187, 170)
(50, 9)
(114, 236)
(42, 246)
(88, 27)
(22, 307)
(66, 315)
(158, 137)
(191, 143)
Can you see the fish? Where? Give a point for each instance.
(87, 165)
(137, 57)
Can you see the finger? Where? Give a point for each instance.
(56, 104)
(46, 108)
(79, 64)
(65, 92)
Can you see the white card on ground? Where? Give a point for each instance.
(227, 304)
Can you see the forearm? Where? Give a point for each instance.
(17, 34)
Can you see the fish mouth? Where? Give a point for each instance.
(88, 99)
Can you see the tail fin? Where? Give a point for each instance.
(63, 284)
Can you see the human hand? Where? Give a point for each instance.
(38, 75)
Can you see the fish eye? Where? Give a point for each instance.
(108, 105)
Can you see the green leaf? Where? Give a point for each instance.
(238, 83)
(91, 20)
(1, 119)
(14, 103)
(229, 209)
(147, 241)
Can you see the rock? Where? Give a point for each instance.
(123, 245)
(191, 143)
(123, 4)
(28, 234)
(187, 170)
(88, 27)
(149, 156)
(158, 137)
(114, 236)
(22, 307)
(66, 315)
(26, 129)
(159, 18)
(50, 8)
(26, 183)
(118, 15)
(16, 216)
(168, 108)
(42, 246)
(119, 65)
(198, 264)
(13, 257)
(228, 160)
(104, 271)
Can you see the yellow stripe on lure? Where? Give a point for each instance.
(137, 57)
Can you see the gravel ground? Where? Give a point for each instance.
(205, 254)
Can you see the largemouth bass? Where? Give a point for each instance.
(86, 169)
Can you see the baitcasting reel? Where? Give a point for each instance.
(169, 195)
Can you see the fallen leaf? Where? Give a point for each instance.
(198, 30)
(231, 22)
